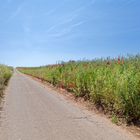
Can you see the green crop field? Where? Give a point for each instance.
(5, 74)
(113, 84)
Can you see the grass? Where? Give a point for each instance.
(5, 74)
(113, 84)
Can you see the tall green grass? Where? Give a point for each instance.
(5, 74)
(113, 84)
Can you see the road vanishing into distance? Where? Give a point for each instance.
(32, 111)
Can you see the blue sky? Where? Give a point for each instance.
(39, 32)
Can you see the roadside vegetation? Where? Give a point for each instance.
(5, 74)
(111, 84)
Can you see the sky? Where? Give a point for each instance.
(41, 32)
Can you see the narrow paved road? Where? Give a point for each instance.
(32, 112)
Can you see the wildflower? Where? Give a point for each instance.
(119, 61)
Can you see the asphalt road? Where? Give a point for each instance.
(33, 112)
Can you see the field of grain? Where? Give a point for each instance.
(112, 84)
(5, 74)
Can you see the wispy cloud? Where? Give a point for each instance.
(67, 19)
(78, 24)
(16, 12)
(68, 23)
(67, 30)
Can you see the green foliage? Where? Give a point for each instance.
(113, 84)
(5, 74)
(115, 119)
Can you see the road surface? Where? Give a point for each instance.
(33, 112)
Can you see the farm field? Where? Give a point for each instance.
(5, 74)
(112, 84)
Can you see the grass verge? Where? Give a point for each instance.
(5, 74)
(111, 84)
